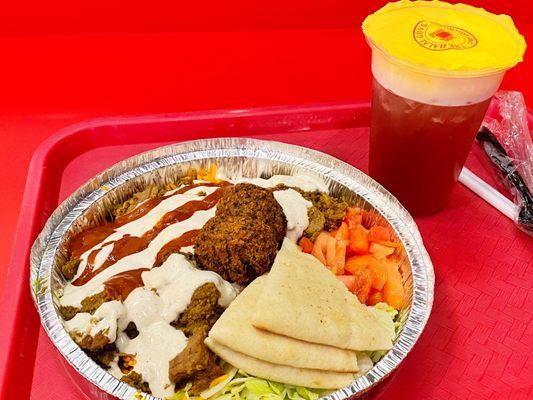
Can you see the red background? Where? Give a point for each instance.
(66, 61)
(140, 16)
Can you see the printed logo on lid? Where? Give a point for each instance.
(438, 37)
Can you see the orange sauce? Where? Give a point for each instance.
(187, 239)
(128, 244)
(119, 286)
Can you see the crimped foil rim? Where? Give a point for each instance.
(45, 246)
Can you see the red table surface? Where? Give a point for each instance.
(58, 69)
(477, 342)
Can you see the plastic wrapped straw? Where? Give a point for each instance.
(506, 139)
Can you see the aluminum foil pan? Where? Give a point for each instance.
(236, 157)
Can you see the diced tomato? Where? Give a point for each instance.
(388, 243)
(379, 273)
(379, 251)
(367, 219)
(306, 245)
(358, 267)
(340, 256)
(378, 233)
(356, 263)
(358, 240)
(374, 298)
(363, 283)
(393, 291)
(376, 269)
(348, 280)
(320, 247)
(342, 233)
(353, 217)
(330, 254)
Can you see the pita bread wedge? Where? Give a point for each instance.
(234, 330)
(310, 378)
(303, 300)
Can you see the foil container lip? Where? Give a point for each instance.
(240, 151)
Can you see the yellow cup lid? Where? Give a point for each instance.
(445, 37)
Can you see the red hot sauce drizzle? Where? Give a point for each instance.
(187, 239)
(119, 286)
(89, 238)
(128, 244)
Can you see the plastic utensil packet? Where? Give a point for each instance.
(506, 139)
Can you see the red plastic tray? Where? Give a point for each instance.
(477, 344)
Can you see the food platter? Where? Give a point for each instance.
(248, 158)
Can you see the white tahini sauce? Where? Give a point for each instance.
(158, 342)
(295, 209)
(104, 320)
(142, 225)
(175, 282)
(167, 289)
(73, 295)
(167, 293)
(307, 183)
(187, 250)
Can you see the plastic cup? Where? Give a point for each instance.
(435, 67)
(422, 127)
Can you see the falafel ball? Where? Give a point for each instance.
(239, 249)
(254, 202)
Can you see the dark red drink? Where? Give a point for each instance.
(417, 150)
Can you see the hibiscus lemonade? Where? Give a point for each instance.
(435, 68)
(417, 150)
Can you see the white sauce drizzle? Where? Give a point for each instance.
(175, 282)
(141, 203)
(104, 320)
(187, 249)
(157, 343)
(167, 293)
(102, 255)
(307, 183)
(295, 209)
(168, 288)
(142, 225)
(73, 295)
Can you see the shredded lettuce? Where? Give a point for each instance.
(222, 382)
(259, 387)
(182, 394)
(388, 315)
(246, 387)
